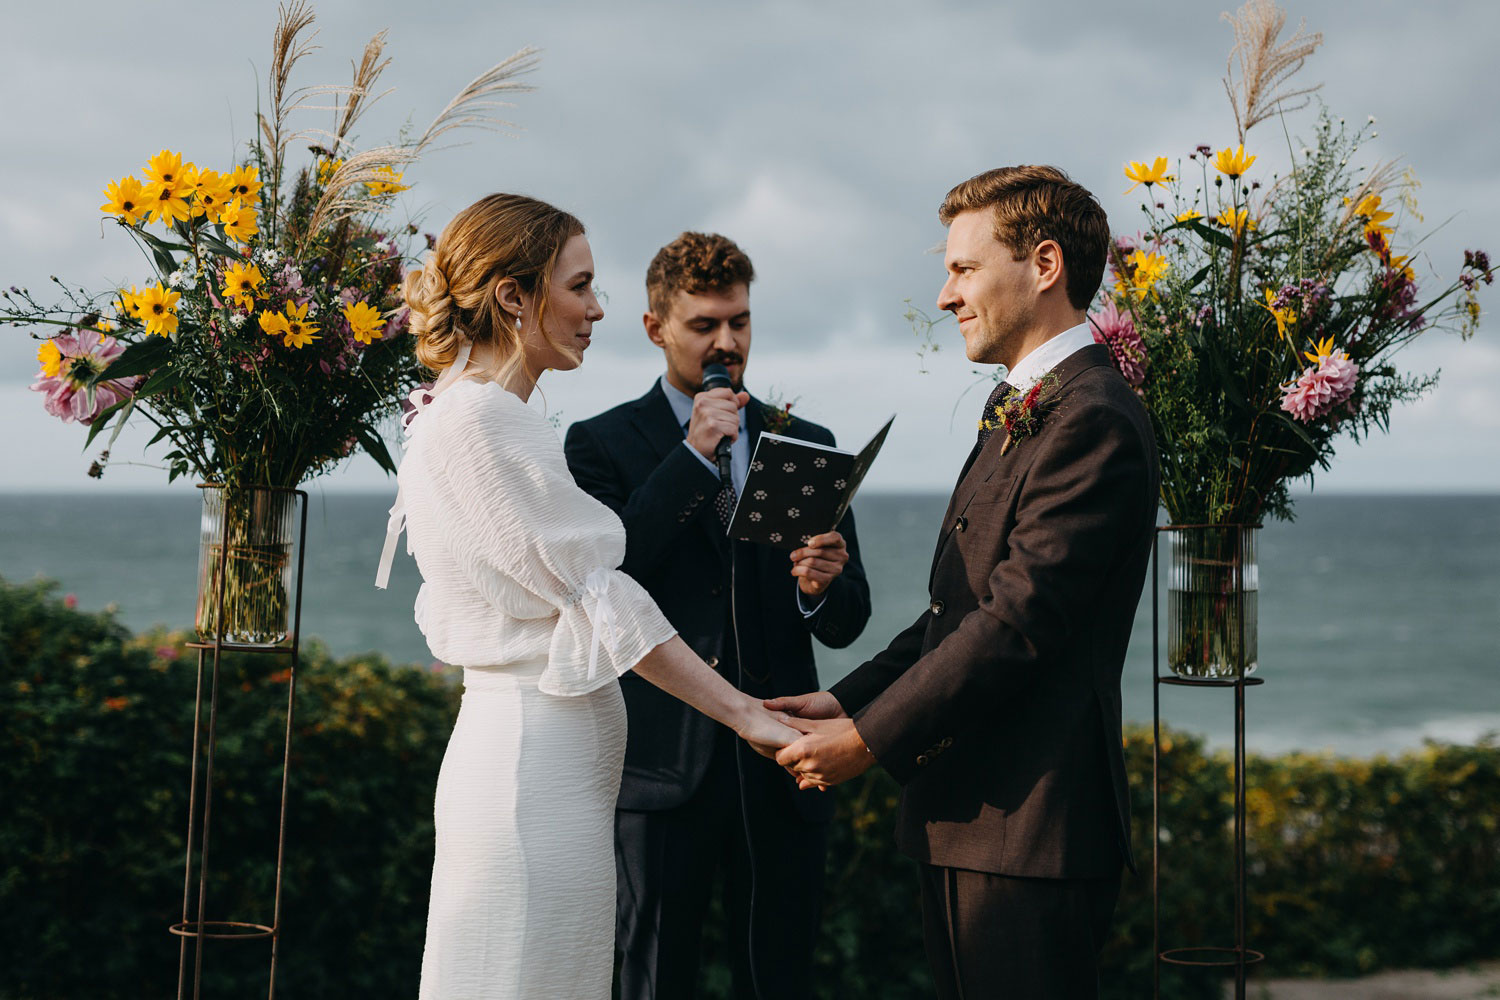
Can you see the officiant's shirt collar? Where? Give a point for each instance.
(1030, 369)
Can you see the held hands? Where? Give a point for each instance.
(830, 750)
(818, 563)
(765, 730)
(716, 415)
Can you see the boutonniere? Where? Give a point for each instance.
(777, 415)
(1021, 414)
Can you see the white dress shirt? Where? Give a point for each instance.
(1033, 367)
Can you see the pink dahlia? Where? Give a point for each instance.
(1321, 388)
(1116, 331)
(69, 361)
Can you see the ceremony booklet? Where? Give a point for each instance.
(797, 489)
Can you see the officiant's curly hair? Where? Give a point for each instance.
(452, 295)
(1035, 203)
(695, 263)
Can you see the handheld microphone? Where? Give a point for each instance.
(717, 377)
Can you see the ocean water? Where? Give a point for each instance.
(1379, 615)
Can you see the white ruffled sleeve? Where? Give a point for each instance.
(533, 543)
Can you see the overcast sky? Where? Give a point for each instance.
(821, 137)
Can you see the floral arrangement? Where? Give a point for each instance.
(1259, 316)
(268, 343)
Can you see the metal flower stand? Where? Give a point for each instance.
(1238, 957)
(194, 928)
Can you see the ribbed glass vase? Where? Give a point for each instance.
(258, 528)
(1212, 590)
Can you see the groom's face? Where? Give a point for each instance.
(992, 294)
(703, 328)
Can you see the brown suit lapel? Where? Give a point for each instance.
(984, 462)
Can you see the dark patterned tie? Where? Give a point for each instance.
(723, 500)
(989, 422)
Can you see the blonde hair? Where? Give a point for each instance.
(452, 296)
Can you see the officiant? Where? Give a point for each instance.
(697, 809)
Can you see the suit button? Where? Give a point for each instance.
(712, 661)
(682, 517)
(716, 590)
(921, 760)
(937, 608)
(698, 496)
(961, 524)
(947, 742)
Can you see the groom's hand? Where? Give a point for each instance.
(830, 753)
(818, 563)
(818, 705)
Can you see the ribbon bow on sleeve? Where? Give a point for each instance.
(420, 398)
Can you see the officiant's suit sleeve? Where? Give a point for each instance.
(656, 513)
(1083, 498)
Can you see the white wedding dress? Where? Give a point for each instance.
(521, 587)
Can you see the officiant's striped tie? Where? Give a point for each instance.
(723, 500)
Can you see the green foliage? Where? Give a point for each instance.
(1354, 865)
(94, 765)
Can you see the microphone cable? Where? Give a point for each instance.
(739, 765)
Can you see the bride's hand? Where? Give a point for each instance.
(766, 731)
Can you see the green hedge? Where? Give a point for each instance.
(1355, 864)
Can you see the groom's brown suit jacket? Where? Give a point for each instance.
(998, 709)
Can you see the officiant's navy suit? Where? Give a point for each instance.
(690, 789)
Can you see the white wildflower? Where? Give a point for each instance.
(237, 320)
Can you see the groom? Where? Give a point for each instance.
(998, 709)
(695, 806)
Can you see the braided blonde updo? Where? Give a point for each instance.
(452, 296)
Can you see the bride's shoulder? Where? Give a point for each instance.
(471, 405)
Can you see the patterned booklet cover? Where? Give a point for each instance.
(797, 489)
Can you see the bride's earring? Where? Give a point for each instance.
(518, 319)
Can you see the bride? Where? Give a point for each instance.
(521, 587)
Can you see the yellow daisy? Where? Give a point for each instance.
(212, 194)
(241, 282)
(158, 309)
(1142, 174)
(126, 200)
(243, 183)
(299, 332)
(1145, 271)
(273, 324)
(390, 184)
(51, 358)
(1235, 219)
(1233, 162)
(166, 203)
(364, 321)
(1190, 215)
(166, 168)
(238, 220)
(129, 303)
(327, 169)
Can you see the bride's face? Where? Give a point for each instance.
(572, 311)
